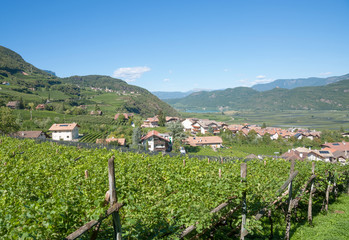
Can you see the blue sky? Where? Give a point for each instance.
(184, 44)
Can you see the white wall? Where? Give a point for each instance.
(65, 135)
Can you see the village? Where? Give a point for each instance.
(198, 133)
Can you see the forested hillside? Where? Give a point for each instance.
(22, 81)
(298, 82)
(334, 96)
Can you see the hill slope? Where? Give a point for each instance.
(299, 82)
(171, 95)
(334, 96)
(34, 85)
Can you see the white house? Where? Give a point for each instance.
(65, 131)
(188, 124)
(321, 155)
(155, 142)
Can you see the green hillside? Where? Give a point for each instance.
(22, 81)
(334, 96)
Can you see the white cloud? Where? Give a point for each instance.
(325, 73)
(261, 77)
(130, 74)
(226, 70)
(166, 80)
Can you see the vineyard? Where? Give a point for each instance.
(92, 137)
(45, 194)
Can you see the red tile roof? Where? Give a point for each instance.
(154, 133)
(197, 141)
(63, 127)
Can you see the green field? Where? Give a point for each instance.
(333, 225)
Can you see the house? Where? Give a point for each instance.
(321, 155)
(97, 113)
(121, 141)
(172, 119)
(342, 146)
(212, 141)
(188, 124)
(40, 107)
(307, 134)
(13, 105)
(150, 122)
(154, 142)
(126, 115)
(204, 126)
(293, 155)
(65, 131)
(235, 128)
(31, 134)
(346, 134)
(341, 156)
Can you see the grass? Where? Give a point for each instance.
(333, 225)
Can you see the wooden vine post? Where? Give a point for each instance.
(288, 215)
(310, 205)
(244, 205)
(113, 199)
(328, 191)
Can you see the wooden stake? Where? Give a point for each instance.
(244, 205)
(288, 216)
(310, 204)
(183, 162)
(86, 174)
(220, 173)
(328, 192)
(271, 225)
(114, 199)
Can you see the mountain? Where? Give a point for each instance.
(134, 99)
(334, 96)
(50, 72)
(112, 95)
(171, 95)
(299, 82)
(12, 63)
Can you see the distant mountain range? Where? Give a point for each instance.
(299, 82)
(279, 83)
(334, 96)
(32, 84)
(171, 95)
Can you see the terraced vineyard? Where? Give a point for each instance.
(92, 137)
(44, 193)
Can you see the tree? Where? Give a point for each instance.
(162, 118)
(136, 138)
(8, 121)
(31, 107)
(176, 130)
(21, 103)
(264, 125)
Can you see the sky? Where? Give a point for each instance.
(165, 45)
